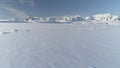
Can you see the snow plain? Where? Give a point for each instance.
(41, 45)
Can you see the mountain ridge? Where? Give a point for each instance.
(76, 18)
(98, 18)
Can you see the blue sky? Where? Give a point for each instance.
(43, 8)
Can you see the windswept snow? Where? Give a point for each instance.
(59, 46)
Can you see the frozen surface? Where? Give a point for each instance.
(59, 46)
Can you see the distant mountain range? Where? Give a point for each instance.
(101, 18)
(11, 20)
(98, 18)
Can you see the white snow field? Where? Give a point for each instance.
(43, 45)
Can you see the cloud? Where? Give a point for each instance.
(23, 2)
(18, 13)
(30, 2)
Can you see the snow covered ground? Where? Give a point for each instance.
(41, 45)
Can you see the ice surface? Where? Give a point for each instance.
(59, 46)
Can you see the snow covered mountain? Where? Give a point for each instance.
(77, 18)
(11, 20)
(98, 18)
(63, 19)
(106, 17)
(55, 19)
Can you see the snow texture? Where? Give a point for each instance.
(59, 45)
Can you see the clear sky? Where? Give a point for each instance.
(23, 8)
